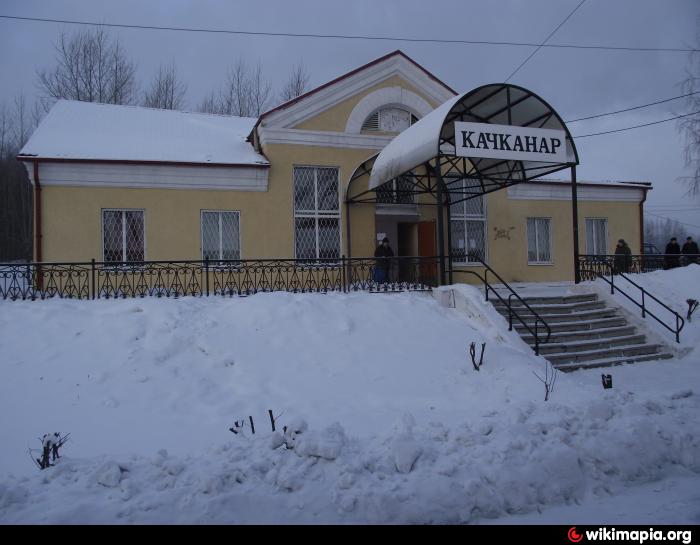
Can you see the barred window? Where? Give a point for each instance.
(123, 237)
(539, 241)
(316, 213)
(221, 238)
(397, 191)
(596, 236)
(467, 222)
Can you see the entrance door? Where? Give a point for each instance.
(427, 247)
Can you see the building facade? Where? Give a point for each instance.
(122, 183)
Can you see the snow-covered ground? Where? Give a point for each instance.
(396, 426)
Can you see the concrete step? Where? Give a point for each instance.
(546, 310)
(590, 345)
(609, 362)
(545, 300)
(577, 336)
(587, 325)
(606, 353)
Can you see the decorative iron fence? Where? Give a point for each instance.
(104, 280)
(592, 266)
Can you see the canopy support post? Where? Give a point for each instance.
(574, 221)
(441, 227)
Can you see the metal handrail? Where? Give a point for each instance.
(680, 322)
(509, 302)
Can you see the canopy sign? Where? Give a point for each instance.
(510, 142)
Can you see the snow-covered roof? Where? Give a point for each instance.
(107, 132)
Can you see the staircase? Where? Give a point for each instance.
(586, 333)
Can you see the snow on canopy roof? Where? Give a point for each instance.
(492, 103)
(108, 132)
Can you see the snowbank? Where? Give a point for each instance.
(394, 424)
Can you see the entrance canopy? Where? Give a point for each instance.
(495, 136)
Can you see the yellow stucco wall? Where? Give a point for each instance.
(72, 215)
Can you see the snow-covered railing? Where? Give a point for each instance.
(105, 280)
(609, 272)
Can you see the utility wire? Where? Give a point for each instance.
(633, 108)
(636, 126)
(348, 36)
(545, 41)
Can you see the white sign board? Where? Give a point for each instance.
(509, 142)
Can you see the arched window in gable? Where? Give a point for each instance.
(389, 119)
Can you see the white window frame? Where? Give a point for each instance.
(102, 231)
(221, 240)
(537, 240)
(594, 241)
(466, 218)
(316, 214)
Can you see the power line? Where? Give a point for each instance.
(545, 41)
(350, 36)
(673, 219)
(636, 126)
(633, 108)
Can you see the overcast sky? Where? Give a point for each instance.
(575, 82)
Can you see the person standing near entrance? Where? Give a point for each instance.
(673, 252)
(623, 257)
(690, 251)
(382, 266)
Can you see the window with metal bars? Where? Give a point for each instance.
(539, 241)
(397, 191)
(123, 236)
(389, 120)
(221, 238)
(596, 236)
(467, 222)
(316, 213)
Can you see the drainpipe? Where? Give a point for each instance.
(641, 223)
(37, 213)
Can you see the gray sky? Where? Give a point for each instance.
(575, 82)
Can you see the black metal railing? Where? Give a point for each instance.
(609, 272)
(512, 312)
(98, 280)
(593, 265)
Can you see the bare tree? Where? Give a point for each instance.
(296, 84)
(5, 131)
(167, 91)
(690, 126)
(209, 104)
(245, 92)
(16, 125)
(90, 66)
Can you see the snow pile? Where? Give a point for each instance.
(386, 419)
(527, 458)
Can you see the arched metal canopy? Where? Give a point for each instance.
(427, 149)
(436, 156)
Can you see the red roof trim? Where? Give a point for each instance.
(35, 159)
(398, 52)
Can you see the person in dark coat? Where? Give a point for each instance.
(690, 250)
(623, 257)
(673, 252)
(383, 253)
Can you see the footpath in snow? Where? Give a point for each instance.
(395, 425)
